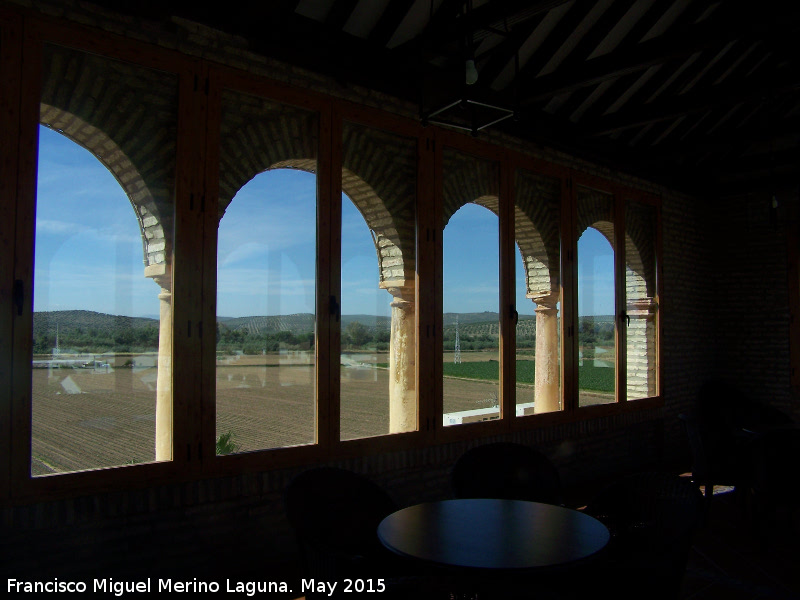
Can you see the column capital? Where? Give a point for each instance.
(402, 295)
(161, 273)
(545, 300)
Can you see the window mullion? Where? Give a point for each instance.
(569, 294)
(12, 304)
(329, 238)
(508, 321)
(619, 297)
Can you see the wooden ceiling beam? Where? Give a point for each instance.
(778, 161)
(340, 13)
(555, 39)
(504, 53)
(754, 88)
(446, 27)
(389, 21)
(598, 32)
(623, 83)
(681, 42)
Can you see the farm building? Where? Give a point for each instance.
(372, 235)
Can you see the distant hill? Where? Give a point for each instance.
(69, 321)
(467, 318)
(298, 323)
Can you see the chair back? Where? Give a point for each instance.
(335, 515)
(508, 471)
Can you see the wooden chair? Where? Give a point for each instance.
(335, 515)
(508, 471)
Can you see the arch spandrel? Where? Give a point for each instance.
(596, 210)
(379, 176)
(640, 259)
(468, 179)
(536, 228)
(126, 116)
(257, 135)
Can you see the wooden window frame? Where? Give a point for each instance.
(200, 84)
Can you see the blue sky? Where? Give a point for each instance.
(88, 252)
(89, 249)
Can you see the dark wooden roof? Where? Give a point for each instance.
(703, 96)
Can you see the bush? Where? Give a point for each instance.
(226, 445)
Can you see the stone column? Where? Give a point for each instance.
(161, 274)
(402, 362)
(547, 396)
(641, 348)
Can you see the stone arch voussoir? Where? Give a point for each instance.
(640, 263)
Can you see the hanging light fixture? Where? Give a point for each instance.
(474, 115)
(470, 72)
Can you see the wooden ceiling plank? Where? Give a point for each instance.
(495, 12)
(576, 13)
(339, 14)
(692, 141)
(607, 100)
(575, 101)
(682, 40)
(779, 84)
(766, 124)
(598, 32)
(507, 49)
(389, 21)
(645, 24)
(624, 82)
(441, 25)
(446, 27)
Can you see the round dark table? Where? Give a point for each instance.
(484, 534)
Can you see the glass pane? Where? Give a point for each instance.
(596, 311)
(102, 302)
(378, 364)
(470, 280)
(266, 275)
(640, 299)
(537, 222)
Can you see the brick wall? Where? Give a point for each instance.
(752, 303)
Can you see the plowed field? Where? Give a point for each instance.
(84, 419)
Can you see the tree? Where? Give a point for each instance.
(357, 333)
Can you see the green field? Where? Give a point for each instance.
(599, 379)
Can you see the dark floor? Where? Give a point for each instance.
(733, 559)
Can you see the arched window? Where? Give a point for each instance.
(470, 290)
(266, 295)
(378, 369)
(537, 226)
(266, 369)
(596, 325)
(95, 319)
(102, 368)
